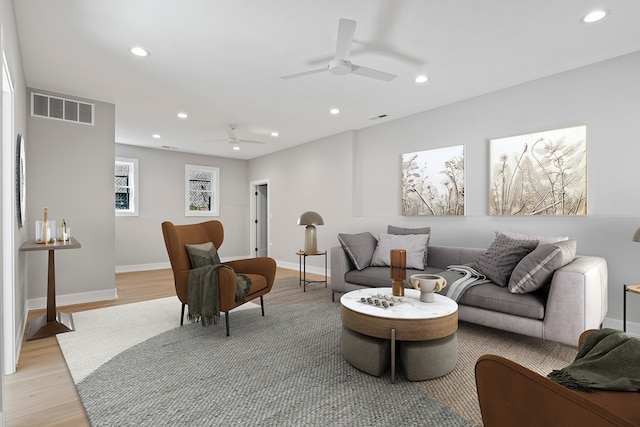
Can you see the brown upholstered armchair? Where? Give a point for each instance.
(512, 395)
(261, 271)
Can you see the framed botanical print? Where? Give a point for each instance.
(433, 182)
(542, 173)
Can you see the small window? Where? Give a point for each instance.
(202, 191)
(126, 182)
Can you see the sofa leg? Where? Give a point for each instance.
(226, 320)
(262, 305)
(182, 315)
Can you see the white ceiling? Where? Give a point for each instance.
(220, 61)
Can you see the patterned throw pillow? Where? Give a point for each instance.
(501, 258)
(535, 270)
(359, 247)
(542, 240)
(203, 254)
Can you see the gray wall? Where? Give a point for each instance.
(70, 171)
(161, 174)
(353, 179)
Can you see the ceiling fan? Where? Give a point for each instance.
(341, 64)
(232, 138)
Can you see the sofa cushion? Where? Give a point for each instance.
(536, 269)
(491, 297)
(203, 254)
(501, 258)
(542, 240)
(359, 247)
(392, 229)
(414, 244)
(380, 277)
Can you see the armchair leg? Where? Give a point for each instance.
(262, 305)
(226, 320)
(182, 315)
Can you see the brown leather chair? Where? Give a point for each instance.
(512, 395)
(261, 271)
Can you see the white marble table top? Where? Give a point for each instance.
(409, 307)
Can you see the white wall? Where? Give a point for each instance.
(10, 44)
(70, 171)
(139, 239)
(353, 179)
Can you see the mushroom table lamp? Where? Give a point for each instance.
(310, 219)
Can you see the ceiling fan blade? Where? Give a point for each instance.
(230, 133)
(346, 31)
(304, 73)
(370, 72)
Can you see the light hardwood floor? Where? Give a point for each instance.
(42, 392)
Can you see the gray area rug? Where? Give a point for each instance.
(284, 369)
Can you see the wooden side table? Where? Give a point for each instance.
(302, 269)
(51, 323)
(634, 289)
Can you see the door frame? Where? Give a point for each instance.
(254, 224)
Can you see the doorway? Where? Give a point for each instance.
(260, 218)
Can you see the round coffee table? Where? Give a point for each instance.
(427, 331)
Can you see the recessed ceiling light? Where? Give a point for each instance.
(421, 79)
(138, 51)
(182, 115)
(334, 111)
(595, 16)
(236, 147)
(156, 136)
(275, 134)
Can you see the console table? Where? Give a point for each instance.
(302, 269)
(51, 323)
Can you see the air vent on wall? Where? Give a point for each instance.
(56, 108)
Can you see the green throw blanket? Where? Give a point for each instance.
(204, 293)
(607, 360)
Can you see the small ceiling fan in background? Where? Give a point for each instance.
(232, 138)
(341, 64)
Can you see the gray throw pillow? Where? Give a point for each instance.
(203, 254)
(414, 244)
(359, 247)
(392, 229)
(542, 240)
(501, 258)
(536, 269)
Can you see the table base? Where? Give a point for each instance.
(40, 328)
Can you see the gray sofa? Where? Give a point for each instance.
(575, 300)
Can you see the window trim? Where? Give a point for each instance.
(133, 186)
(215, 190)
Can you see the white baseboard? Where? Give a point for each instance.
(310, 269)
(142, 267)
(633, 329)
(70, 299)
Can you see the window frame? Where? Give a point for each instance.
(214, 174)
(133, 186)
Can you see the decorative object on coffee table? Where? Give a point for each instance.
(310, 219)
(427, 284)
(398, 271)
